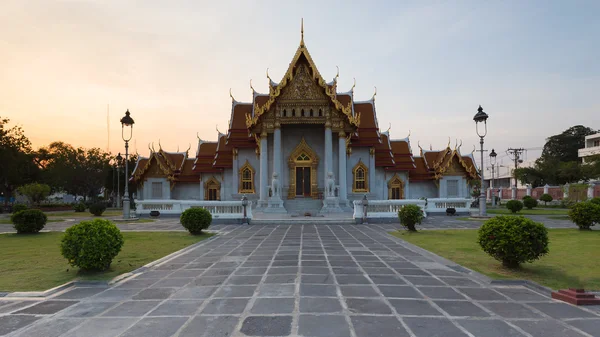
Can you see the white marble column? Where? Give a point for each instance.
(528, 190)
(235, 181)
(264, 170)
(372, 184)
(277, 153)
(342, 167)
(590, 190)
(328, 152)
(201, 189)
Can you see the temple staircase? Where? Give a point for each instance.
(303, 206)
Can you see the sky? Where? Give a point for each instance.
(532, 65)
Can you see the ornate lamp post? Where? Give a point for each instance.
(365, 204)
(126, 122)
(493, 163)
(481, 117)
(119, 160)
(245, 204)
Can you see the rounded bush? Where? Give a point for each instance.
(98, 208)
(585, 214)
(410, 215)
(595, 200)
(546, 198)
(513, 239)
(195, 220)
(29, 221)
(530, 203)
(527, 197)
(19, 207)
(79, 207)
(514, 205)
(92, 244)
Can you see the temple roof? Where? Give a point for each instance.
(205, 157)
(174, 165)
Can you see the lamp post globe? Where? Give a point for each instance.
(126, 127)
(492, 185)
(481, 118)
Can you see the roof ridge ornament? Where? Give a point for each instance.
(458, 149)
(231, 95)
(337, 75)
(448, 146)
(269, 77)
(353, 86)
(473, 150)
(420, 148)
(389, 128)
(374, 94)
(251, 87)
(407, 137)
(302, 32)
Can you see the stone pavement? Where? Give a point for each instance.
(305, 280)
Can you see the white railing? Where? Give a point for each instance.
(218, 209)
(384, 208)
(390, 208)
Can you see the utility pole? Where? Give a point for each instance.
(515, 155)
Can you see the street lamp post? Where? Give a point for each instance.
(481, 117)
(493, 163)
(119, 161)
(128, 122)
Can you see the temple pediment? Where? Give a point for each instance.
(302, 88)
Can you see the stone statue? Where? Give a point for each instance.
(275, 184)
(330, 185)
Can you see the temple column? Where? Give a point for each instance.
(201, 189)
(372, 185)
(277, 151)
(342, 166)
(328, 151)
(235, 174)
(264, 170)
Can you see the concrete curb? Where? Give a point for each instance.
(99, 283)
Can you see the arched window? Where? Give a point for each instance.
(212, 189)
(246, 178)
(395, 188)
(302, 113)
(320, 112)
(284, 113)
(293, 112)
(360, 181)
(311, 112)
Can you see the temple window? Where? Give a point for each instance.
(320, 112)
(311, 112)
(452, 188)
(293, 112)
(395, 188)
(284, 113)
(246, 179)
(212, 189)
(302, 113)
(157, 190)
(360, 180)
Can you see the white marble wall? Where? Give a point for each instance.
(463, 190)
(147, 190)
(420, 189)
(185, 191)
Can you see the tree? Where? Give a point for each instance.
(564, 146)
(110, 180)
(17, 166)
(76, 171)
(529, 175)
(35, 192)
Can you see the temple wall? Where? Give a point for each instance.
(361, 154)
(291, 135)
(147, 190)
(226, 185)
(420, 189)
(186, 191)
(386, 179)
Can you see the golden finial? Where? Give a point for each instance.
(217, 127)
(455, 144)
(198, 136)
(269, 77)
(353, 85)
(448, 146)
(473, 149)
(153, 150)
(251, 87)
(374, 94)
(159, 146)
(189, 147)
(420, 148)
(408, 134)
(149, 148)
(389, 128)
(458, 150)
(337, 75)
(302, 32)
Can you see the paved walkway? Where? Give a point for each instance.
(306, 280)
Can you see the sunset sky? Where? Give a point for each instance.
(534, 66)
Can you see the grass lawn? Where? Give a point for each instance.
(559, 217)
(141, 221)
(571, 263)
(85, 214)
(34, 262)
(466, 218)
(535, 211)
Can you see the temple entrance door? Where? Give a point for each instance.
(303, 181)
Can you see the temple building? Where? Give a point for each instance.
(304, 146)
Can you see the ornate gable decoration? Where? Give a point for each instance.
(154, 167)
(302, 88)
(316, 80)
(453, 164)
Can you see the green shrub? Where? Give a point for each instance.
(195, 220)
(92, 244)
(530, 202)
(514, 205)
(98, 208)
(595, 200)
(527, 197)
(585, 214)
(410, 215)
(29, 221)
(546, 198)
(513, 240)
(79, 207)
(567, 203)
(19, 207)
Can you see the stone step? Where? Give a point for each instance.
(303, 221)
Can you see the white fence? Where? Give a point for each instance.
(218, 209)
(390, 208)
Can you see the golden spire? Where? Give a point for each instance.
(302, 32)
